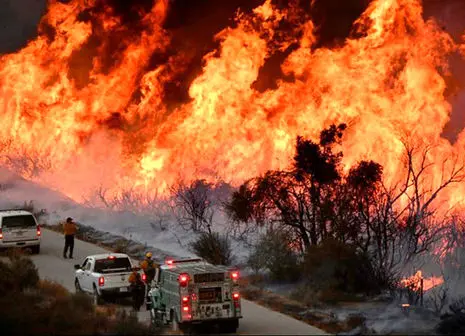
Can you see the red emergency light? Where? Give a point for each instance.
(235, 275)
(183, 279)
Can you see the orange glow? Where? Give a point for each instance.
(71, 122)
(414, 281)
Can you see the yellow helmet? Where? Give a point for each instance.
(148, 255)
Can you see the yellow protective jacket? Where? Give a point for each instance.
(148, 265)
(69, 229)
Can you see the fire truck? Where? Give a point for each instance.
(191, 292)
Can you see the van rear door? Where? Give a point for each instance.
(19, 228)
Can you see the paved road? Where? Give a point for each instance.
(257, 319)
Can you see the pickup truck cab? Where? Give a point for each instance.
(105, 276)
(19, 228)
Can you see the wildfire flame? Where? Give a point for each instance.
(75, 118)
(414, 282)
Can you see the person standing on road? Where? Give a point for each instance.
(69, 229)
(149, 267)
(137, 286)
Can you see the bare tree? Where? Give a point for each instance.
(130, 199)
(25, 161)
(422, 228)
(438, 296)
(194, 207)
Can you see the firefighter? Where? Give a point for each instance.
(149, 267)
(70, 230)
(137, 289)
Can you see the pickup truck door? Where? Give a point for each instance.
(87, 276)
(80, 274)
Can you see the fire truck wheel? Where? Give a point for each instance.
(174, 321)
(229, 327)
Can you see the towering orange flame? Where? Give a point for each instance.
(79, 125)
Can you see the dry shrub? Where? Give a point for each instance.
(17, 274)
(336, 270)
(121, 246)
(273, 253)
(53, 289)
(127, 324)
(7, 280)
(25, 272)
(214, 248)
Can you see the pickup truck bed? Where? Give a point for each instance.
(104, 276)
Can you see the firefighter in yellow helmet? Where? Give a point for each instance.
(149, 267)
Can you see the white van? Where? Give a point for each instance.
(19, 228)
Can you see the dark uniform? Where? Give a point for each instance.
(137, 290)
(70, 230)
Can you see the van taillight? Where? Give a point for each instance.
(101, 281)
(1, 233)
(144, 277)
(38, 231)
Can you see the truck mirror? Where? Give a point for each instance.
(77, 266)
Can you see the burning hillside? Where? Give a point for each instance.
(89, 102)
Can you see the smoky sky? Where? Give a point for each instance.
(192, 24)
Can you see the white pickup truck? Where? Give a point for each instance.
(105, 276)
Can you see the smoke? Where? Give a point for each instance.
(18, 22)
(450, 14)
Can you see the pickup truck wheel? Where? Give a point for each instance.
(77, 286)
(97, 298)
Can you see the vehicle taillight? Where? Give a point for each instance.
(235, 275)
(236, 298)
(1, 234)
(144, 277)
(185, 308)
(101, 281)
(38, 231)
(183, 280)
(111, 257)
(169, 262)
